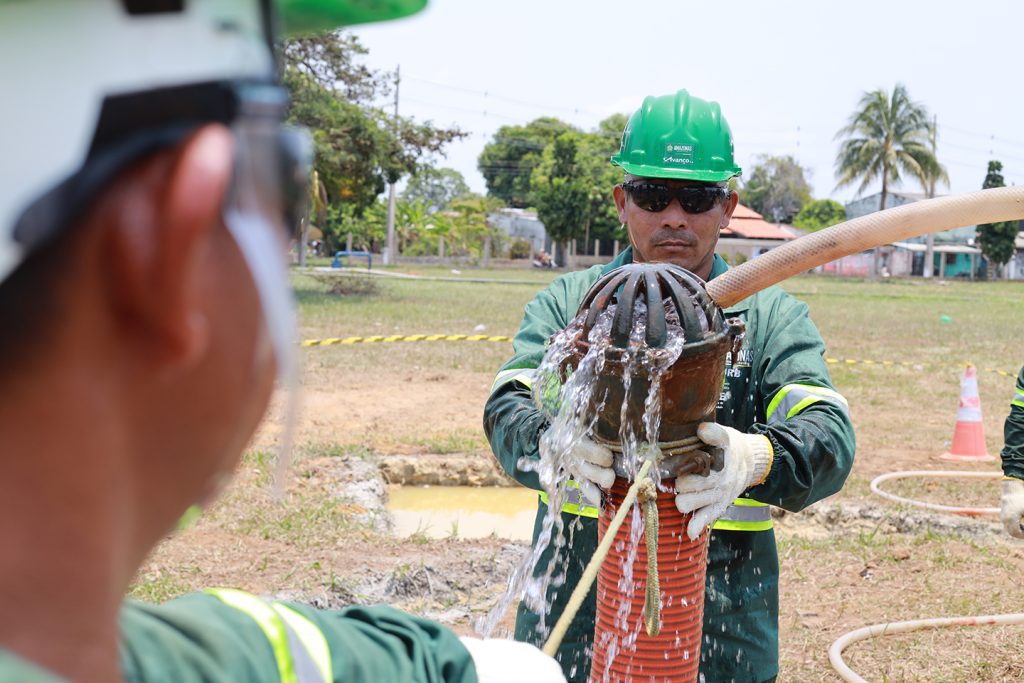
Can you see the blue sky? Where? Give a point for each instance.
(787, 74)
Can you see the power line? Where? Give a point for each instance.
(504, 98)
(986, 136)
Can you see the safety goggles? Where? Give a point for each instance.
(655, 197)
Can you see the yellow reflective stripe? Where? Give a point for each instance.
(729, 525)
(312, 638)
(580, 508)
(794, 398)
(522, 375)
(1018, 399)
(269, 621)
(725, 524)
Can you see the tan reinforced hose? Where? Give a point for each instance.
(944, 474)
(835, 653)
(866, 232)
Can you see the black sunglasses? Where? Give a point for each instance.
(655, 197)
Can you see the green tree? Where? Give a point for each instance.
(776, 188)
(565, 189)
(996, 240)
(435, 187)
(885, 137)
(818, 214)
(598, 147)
(367, 227)
(576, 167)
(468, 225)
(611, 129)
(508, 161)
(359, 146)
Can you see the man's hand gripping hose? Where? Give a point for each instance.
(590, 465)
(747, 461)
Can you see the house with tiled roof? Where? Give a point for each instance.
(749, 235)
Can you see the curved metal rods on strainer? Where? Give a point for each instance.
(622, 286)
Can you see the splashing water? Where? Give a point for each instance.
(575, 405)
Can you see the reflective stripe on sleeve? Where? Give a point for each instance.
(1018, 398)
(314, 644)
(792, 399)
(522, 375)
(299, 647)
(745, 515)
(575, 504)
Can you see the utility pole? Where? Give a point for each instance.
(391, 249)
(929, 240)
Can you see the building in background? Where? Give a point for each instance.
(522, 224)
(954, 255)
(749, 235)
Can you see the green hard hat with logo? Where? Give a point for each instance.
(679, 137)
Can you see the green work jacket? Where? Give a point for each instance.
(1013, 433)
(778, 386)
(229, 636)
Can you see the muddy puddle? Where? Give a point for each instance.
(462, 511)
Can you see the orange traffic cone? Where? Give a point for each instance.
(969, 434)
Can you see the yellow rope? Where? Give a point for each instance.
(648, 496)
(590, 573)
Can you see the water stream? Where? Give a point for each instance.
(570, 398)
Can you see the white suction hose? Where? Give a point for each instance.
(866, 232)
(835, 653)
(946, 474)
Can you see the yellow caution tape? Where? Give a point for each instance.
(903, 363)
(383, 339)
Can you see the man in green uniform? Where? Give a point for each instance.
(1012, 507)
(787, 433)
(147, 188)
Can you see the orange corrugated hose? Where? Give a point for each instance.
(623, 650)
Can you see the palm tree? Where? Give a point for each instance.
(888, 135)
(936, 173)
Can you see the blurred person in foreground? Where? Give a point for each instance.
(147, 192)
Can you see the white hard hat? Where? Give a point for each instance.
(90, 85)
(89, 80)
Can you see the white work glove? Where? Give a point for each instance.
(747, 460)
(590, 465)
(508, 661)
(1012, 507)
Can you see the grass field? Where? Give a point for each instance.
(426, 398)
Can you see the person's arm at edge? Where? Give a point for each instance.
(1013, 434)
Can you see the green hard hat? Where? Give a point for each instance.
(313, 16)
(677, 136)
